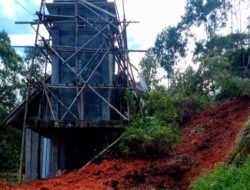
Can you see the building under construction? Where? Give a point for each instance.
(80, 107)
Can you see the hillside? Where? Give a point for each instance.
(208, 138)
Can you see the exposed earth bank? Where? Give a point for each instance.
(208, 139)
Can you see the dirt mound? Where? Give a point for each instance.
(208, 139)
(5, 186)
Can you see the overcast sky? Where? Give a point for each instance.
(153, 15)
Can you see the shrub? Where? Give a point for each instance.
(232, 86)
(154, 137)
(174, 108)
(153, 130)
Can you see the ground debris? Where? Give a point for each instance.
(202, 149)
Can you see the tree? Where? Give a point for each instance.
(210, 13)
(11, 73)
(169, 45)
(227, 60)
(173, 42)
(188, 83)
(149, 66)
(11, 70)
(37, 69)
(35, 63)
(10, 140)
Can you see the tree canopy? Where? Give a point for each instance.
(11, 69)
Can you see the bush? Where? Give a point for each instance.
(232, 86)
(151, 139)
(188, 106)
(229, 177)
(174, 108)
(152, 131)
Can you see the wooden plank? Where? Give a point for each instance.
(28, 154)
(34, 155)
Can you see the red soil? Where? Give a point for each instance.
(208, 139)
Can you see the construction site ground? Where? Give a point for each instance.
(208, 139)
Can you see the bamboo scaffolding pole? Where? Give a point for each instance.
(90, 60)
(120, 54)
(62, 104)
(97, 66)
(71, 86)
(90, 40)
(26, 106)
(50, 107)
(98, 8)
(101, 153)
(80, 101)
(93, 26)
(100, 16)
(107, 102)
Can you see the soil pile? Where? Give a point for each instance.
(5, 186)
(208, 139)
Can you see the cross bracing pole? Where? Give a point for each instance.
(90, 60)
(57, 54)
(93, 26)
(131, 71)
(107, 102)
(98, 8)
(48, 100)
(124, 68)
(90, 40)
(62, 104)
(117, 38)
(48, 29)
(85, 87)
(100, 16)
(62, 59)
(121, 60)
(79, 93)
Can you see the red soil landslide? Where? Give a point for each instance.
(208, 139)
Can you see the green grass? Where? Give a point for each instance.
(230, 177)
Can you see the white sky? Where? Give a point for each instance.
(153, 15)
